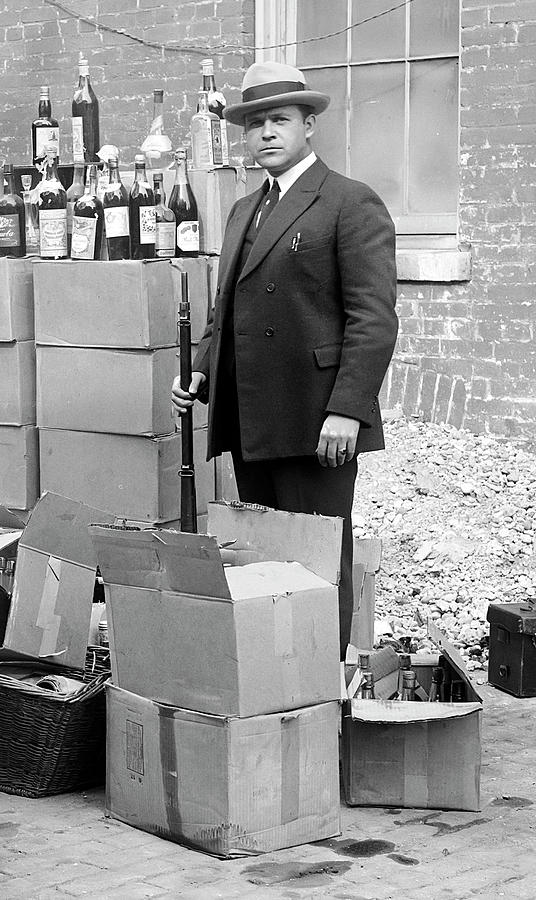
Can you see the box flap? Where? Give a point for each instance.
(8, 540)
(10, 518)
(454, 658)
(395, 712)
(160, 560)
(368, 553)
(313, 541)
(517, 618)
(271, 578)
(58, 526)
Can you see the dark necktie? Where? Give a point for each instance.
(268, 205)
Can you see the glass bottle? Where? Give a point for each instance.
(216, 104)
(457, 692)
(142, 213)
(435, 688)
(85, 113)
(12, 229)
(31, 215)
(165, 220)
(88, 220)
(52, 210)
(157, 147)
(367, 688)
(206, 136)
(74, 192)
(183, 204)
(116, 223)
(45, 129)
(409, 680)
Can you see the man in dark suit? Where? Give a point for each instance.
(304, 324)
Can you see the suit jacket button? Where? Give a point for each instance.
(269, 332)
(270, 287)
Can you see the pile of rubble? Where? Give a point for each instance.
(456, 513)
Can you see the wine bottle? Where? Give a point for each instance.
(12, 230)
(206, 136)
(367, 688)
(216, 104)
(88, 220)
(74, 192)
(142, 213)
(435, 688)
(408, 685)
(45, 129)
(85, 112)
(183, 205)
(157, 147)
(165, 220)
(52, 209)
(116, 224)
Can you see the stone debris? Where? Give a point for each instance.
(456, 513)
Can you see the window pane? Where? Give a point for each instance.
(434, 27)
(315, 18)
(330, 138)
(433, 128)
(377, 130)
(381, 38)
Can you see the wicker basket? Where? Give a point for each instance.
(49, 743)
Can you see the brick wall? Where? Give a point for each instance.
(40, 43)
(466, 353)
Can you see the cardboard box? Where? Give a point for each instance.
(241, 641)
(50, 611)
(130, 476)
(200, 290)
(17, 383)
(366, 565)
(414, 754)
(19, 466)
(105, 390)
(16, 300)
(230, 787)
(124, 304)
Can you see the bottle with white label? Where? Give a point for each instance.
(216, 104)
(142, 213)
(52, 210)
(183, 204)
(165, 220)
(206, 136)
(45, 129)
(116, 223)
(74, 192)
(88, 220)
(85, 113)
(12, 231)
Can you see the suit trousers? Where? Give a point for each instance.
(301, 484)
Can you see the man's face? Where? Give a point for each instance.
(277, 138)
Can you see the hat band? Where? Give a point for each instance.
(273, 89)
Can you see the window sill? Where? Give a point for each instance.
(433, 265)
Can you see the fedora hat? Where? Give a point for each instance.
(268, 84)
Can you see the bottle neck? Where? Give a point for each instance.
(78, 174)
(159, 195)
(45, 108)
(1, 183)
(83, 75)
(203, 102)
(92, 180)
(113, 174)
(140, 174)
(158, 116)
(51, 169)
(181, 174)
(209, 84)
(10, 180)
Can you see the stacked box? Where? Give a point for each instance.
(107, 354)
(19, 456)
(223, 715)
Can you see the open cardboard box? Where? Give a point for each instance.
(244, 640)
(415, 754)
(50, 610)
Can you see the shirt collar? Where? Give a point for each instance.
(287, 179)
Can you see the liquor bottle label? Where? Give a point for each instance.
(215, 134)
(53, 232)
(46, 134)
(78, 139)
(224, 143)
(188, 237)
(10, 231)
(84, 235)
(116, 221)
(147, 224)
(165, 239)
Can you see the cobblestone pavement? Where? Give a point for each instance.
(64, 847)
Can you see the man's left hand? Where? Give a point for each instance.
(337, 441)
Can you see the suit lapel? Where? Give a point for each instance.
(234, 238)
(293, 204)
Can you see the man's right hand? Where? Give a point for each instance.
(182, 400)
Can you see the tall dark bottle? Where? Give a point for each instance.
(52, 210)
(45, 129)
(85, 112)
(142, 213)
(12, 230)
(216, 104)
(88, 220)
(116, 220)
(182, 203)
(165, 220)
